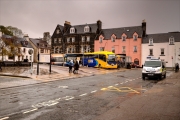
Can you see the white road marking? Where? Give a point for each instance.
(53, 104)
(4, 118)
(30, 111)
(83, 94)
(63, 87)
(116, 84)
(94, 91)
(70, 98)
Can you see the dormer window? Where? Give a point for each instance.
(135, 37)
(171, 40)
(100, 39)
(72, 30)
(123, 38)
(150, 41)
(86, 29)
(113, 39)
(57, 31)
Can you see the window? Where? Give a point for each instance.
(24, 50)
(57, 31)
(171, 40)
(113, 49)
(88, 38)
(86, 29)
(123, 38)
(82, 49)
(59, 40)
(26, 57)
(151, 52)
(55, 40)
(101, 48)
(83, 39)
(135, 37)
(123, 49)
(100, 39)
(68, 40)
(88, 49)
(72, 30)
(150, 41)
(162, 51)
(42, 50)
(113, 39)
(135, 48)
(73, 39)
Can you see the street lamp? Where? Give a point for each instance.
(50, 63)
(38, 62)
(31, 52)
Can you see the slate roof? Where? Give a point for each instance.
(129, 31)
(61, 27)
(162, 37)
(80, 29)
(40, 41)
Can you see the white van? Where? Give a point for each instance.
(154, 68)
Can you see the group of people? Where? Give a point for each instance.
(76, 67)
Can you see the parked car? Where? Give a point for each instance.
(133, 65)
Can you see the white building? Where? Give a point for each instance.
(165, 46)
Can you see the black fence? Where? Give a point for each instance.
(13, 64)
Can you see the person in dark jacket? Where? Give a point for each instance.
(70, 66)
(76, 67)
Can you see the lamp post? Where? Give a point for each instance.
(50, 63)
(38, 63)
(31, 52)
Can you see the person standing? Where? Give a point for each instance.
(76, 68)
(70, 66)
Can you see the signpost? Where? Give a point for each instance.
(30, 51)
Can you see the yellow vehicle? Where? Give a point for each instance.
(101, 59)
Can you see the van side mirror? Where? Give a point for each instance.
(163, 66)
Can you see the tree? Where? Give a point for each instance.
(11, 47)
(16, 32)
(5, 31)
(3, 50)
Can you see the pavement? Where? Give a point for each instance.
(57, 73)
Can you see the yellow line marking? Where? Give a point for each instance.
(121, 89)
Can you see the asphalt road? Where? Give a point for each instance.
(71, 99)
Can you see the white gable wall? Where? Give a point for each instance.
(169, 52)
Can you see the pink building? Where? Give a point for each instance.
(122, 41)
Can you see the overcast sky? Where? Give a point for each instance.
(34, 17)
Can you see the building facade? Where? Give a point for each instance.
(74, 38)
(122, 41)
(165, 46)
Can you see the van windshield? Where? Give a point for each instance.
(152, 63)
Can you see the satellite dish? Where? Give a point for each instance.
(30, 51)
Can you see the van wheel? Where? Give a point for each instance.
(143, 77)
(160, 77)
(165, 75)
